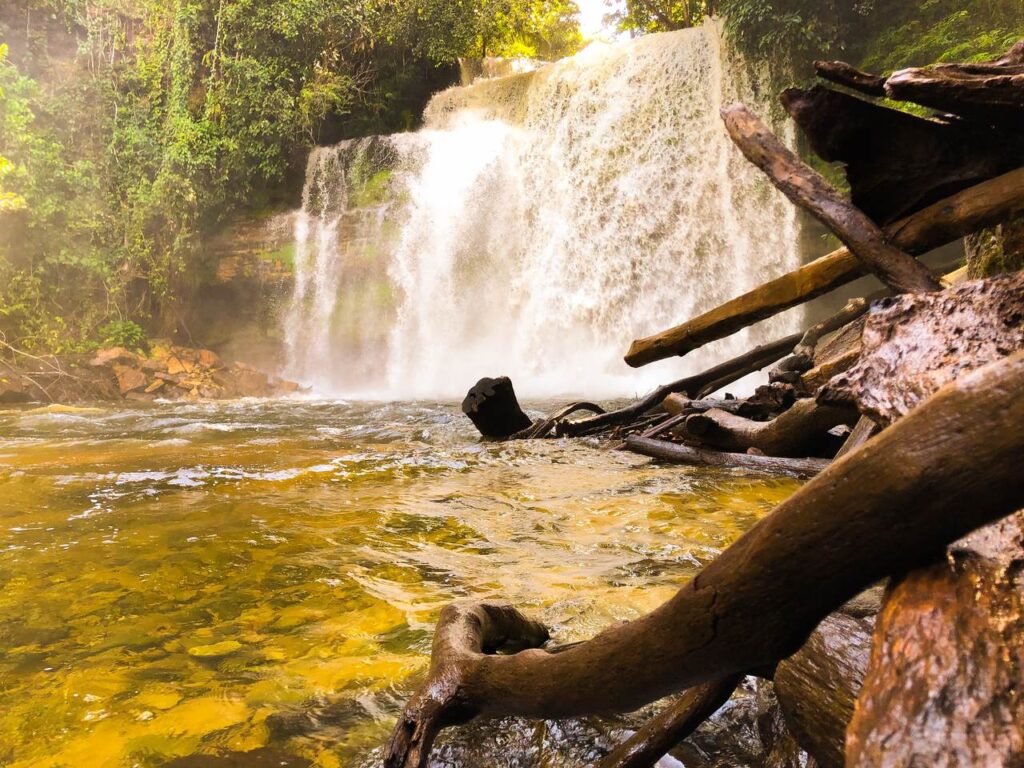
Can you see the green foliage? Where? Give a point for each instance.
(944, 30)
(642, 16)
(118, 156)
(123, 333)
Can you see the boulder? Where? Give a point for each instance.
(210, 360)
(249, 382)
(114, 356)
(130, 379)
(13, 390)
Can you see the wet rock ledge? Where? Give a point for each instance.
(166, 372)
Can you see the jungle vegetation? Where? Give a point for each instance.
(132, 129)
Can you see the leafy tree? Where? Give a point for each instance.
(173, 115)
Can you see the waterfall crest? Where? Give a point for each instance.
(534, 226)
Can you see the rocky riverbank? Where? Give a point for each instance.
(166, 372)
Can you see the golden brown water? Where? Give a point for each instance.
(255, 583)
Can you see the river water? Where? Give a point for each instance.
(255, 583)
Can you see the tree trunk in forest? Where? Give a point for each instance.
(864, 518)
(986, 204)
(809, 190)
(791, 434)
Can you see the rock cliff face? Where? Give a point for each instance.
(167, 372)
(238, 310)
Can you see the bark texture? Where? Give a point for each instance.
(791, 434)
(739, 613)
(912, 345)
(809, 190)
(981, 206)
(945, 686)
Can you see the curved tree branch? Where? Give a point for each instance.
(950, 466)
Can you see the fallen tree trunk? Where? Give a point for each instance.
(817, 686)
(988, 92)
(808, 189)
(895, 162)
(692, 386)
(864, 518)
(686, 454)
(841, 73)
(980, 206)
(792, 434)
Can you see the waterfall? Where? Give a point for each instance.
(535, 225)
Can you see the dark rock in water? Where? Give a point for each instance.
(13, 390)
(493, 408)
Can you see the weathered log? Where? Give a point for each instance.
(984, 205)
(834, 356)
(895, 162)
(841, 73)
(699, 457)
(863, 431)
(493, 408)
(808, 189)
(818, 685)
(912, 345)
(672, 725)
(794, 433)
(543, 427)
(692, 386)
(945, 684)
(990, 92)
(958, 470)
(681, 405)
(854, 310)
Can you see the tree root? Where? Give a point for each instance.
(893, 504)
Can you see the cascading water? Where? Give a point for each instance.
(536, 225)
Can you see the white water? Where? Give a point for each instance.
(536, 225)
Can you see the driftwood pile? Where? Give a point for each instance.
(908, 410)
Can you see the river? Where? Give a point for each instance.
(255, 582)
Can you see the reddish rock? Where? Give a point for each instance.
(284, 387)
(250, 382)
(177, 365)
(114, 356)
(130, 379)
(156, 386)
(209, 359)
